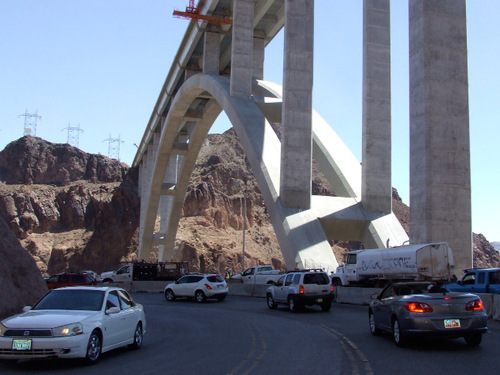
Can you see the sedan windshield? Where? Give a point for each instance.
(61, 299)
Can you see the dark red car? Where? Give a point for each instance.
(70, 279)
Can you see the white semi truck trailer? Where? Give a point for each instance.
(374, 267)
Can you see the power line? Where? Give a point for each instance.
(73, 134)
(30, 122)
(114, 147)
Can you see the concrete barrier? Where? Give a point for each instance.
(349, 295)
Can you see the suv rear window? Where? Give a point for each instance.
(215, 278)
(316, 278)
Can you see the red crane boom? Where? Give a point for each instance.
(192, 12)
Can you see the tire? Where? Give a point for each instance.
(199, 296)
(138, 337)
(337, 282)
(326, 306)
(474, 339)
(270, 302)
(398, 335)
(371, 323)
(94, 348)
(169, 295)
(293, 306)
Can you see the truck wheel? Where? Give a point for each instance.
(398, 335)
(270, 302)
(337, 282)
(326, 306)
(169, 295)
(474, 339)
(199, 296)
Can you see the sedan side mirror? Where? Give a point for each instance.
(112, 310)
(374, 296)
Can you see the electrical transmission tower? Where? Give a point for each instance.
(30, 122)
(73, 134)
(114, 147)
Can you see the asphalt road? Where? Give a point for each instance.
(242, 336)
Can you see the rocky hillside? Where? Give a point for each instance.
(72, 211)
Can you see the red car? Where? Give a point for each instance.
(70, 279)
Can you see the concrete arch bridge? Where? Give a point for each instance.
(220, 68)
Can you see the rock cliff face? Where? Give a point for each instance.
(64, 210)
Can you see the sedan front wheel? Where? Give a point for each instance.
(94, 348)
(138, 337)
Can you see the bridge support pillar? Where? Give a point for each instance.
(211, 53)
(296, 135)
(376, 189)
(165, 206)
(242, 48)
(440, 192)
(259, 45)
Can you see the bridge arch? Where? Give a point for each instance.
(302, 234)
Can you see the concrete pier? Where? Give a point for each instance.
(376, 188)
(440, 191)
(296, 135)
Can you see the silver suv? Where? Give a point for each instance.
(300, 288)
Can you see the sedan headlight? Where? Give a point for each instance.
(2, 329)
(68, 330)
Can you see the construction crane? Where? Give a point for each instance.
(192, 12)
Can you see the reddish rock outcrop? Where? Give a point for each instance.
(22, 283)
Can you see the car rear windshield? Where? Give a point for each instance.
(215, 278)
(61, 299)
(316, 278)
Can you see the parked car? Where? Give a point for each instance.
(299, 288)
(197, 286)
(70, 279)
(74, 322)
(408, 309)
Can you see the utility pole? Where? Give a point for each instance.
(73, 134)
(114, 147)
(30, 122)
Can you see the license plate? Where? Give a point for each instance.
(452, 323)
(21, 344)
(319, 300)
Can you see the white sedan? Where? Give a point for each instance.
(73, 322)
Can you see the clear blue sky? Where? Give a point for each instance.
(101, 64)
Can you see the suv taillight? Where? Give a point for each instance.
(301, 289)
(475, 305)
(208, 287)
(331, 287)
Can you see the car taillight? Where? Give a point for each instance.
(301, 289)
(475, 305)
(418, 307)
(208, 287)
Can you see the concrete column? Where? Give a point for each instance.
(296, 137)
(143, 179)
(211, 53)
(376, 189)
(259, 46)
(241, 49)
(166, 206)
(440, 191)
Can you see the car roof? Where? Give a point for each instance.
(100, 288)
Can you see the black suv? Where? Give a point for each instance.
(300, 288)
